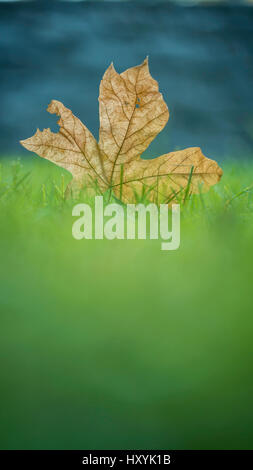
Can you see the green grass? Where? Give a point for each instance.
(117, 344)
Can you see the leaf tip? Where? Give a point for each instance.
(52, 107)
(111, 67)
(24, 143)
(145, 63)
(220, 172)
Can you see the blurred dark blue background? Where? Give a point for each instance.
(202, 57)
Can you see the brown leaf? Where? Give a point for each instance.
(73, 147)
(161, 177)
(132, 113)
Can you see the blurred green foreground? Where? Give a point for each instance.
(117, 344)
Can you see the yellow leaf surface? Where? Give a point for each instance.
(73, 147)
(167, 175)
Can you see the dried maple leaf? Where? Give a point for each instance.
(73, 147)
(132, 113)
